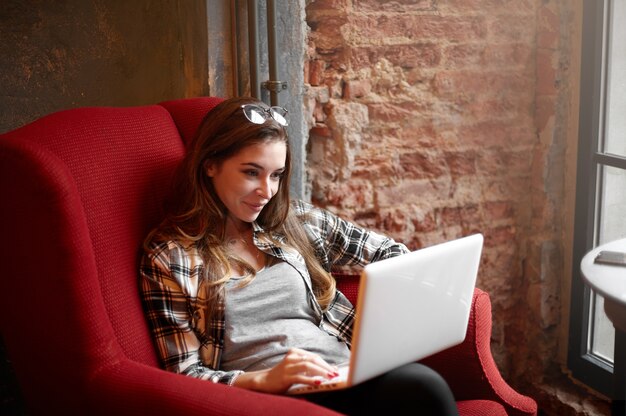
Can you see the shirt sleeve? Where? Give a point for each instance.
(339, 242)
(169, 308)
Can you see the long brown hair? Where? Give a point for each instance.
(196, 215)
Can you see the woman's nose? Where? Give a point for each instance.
(265, 189)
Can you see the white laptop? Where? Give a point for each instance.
(409, 307)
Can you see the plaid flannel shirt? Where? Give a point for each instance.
(190, 343)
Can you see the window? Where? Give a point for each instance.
(600, 184)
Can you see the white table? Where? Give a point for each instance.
(610, 282)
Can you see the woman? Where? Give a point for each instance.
(235, 281)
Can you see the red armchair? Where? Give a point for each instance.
(82, 188)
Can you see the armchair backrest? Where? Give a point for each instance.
(81, 188)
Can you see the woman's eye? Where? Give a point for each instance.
(251, 173)
(278, 175)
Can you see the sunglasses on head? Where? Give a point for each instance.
(258, 115)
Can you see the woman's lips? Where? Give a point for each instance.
(255, 207)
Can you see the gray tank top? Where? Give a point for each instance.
(268, 317)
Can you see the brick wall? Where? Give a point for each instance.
(434, 119)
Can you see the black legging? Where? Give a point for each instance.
(408, 390)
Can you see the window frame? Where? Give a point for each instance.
(586, 367)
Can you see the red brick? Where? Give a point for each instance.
(316, 72)
(464, 55)
(517, 7)
(356, 89)
(473, 83)
(425, 222)
(461, 163)
(395, 111)
(500, 236)
(320, 94)
(333, 6)
(418, 132)
(368, 28)
(419, 164)
(327, 34)
(352, 194)
(382, 164)
(402, 6)
(395, 221)
(499, 210)
(451, 216)
(321, 130)
(424, 55)
(412, 191)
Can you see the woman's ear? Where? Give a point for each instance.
(210, 168)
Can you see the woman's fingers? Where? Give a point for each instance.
(320, 364)
(297, 355)
(310, 368)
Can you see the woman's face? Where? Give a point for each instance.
(247, 181)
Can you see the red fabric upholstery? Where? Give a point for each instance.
(472, 358)
(188, 114)
(480, 408)
(81, 189)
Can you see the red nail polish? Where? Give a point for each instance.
(318, 382)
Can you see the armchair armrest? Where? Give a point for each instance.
(129, 388)
(470, 370)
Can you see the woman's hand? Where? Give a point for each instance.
(298, 367)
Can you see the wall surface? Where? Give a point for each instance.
(74, 53)
(434, 119)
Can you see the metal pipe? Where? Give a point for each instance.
(253, 36)
(234, 46)
(272, 50)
